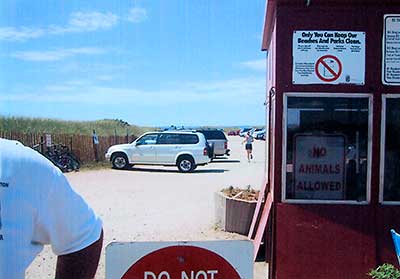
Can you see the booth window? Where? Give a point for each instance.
(391, 179)
(327, 148)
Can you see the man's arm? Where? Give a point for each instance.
(81, 264)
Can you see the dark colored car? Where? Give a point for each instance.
(217, 139)
(233, 133)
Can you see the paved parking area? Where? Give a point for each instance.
(153, 203)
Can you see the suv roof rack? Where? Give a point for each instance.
(209, 129)
(178, 131)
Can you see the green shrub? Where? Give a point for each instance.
(385, 271)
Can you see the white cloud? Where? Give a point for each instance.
(93, 20)
(257, 65)
(78, 22)
(137, 15)
(86, 22)
(20, 34)
(55, 55)
(249, 91)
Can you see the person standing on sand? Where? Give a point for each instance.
(249, 146)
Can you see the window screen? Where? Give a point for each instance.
(327, 148)
(392, 150)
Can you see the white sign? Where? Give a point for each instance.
(319, 167)
(391, 50)
(48, 140)
(231, 259)
(328, 57)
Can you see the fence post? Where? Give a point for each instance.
(41, 144)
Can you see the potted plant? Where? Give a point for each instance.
(234, 208)
(385, 271)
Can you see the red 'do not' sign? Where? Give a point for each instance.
(181, 262)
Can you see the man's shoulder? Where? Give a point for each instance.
(13, 147)
(12, 151)
(6, 143)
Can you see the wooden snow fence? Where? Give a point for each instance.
(81, 145)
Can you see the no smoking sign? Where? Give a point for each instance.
(180, 260)
(328, 57)
(328, 68)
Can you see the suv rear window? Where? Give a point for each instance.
(189, 139)
(213, 135)
(177, 139)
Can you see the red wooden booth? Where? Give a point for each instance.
(333, 116)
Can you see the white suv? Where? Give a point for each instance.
(186, 150)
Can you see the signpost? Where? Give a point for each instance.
(391, 50)
(180, 260)
(319, 167)
(328, 57)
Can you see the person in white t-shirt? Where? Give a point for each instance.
(38, 207)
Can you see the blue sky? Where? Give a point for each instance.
(149, 62)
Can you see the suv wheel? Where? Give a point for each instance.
(120, 161)
(185, 164)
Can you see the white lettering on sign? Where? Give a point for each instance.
(201, 274)
(391, 50)
(151, 275)
(328, 57)
(319, 167)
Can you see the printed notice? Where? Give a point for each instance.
(328, 57)
(319, 168)
(391, 50)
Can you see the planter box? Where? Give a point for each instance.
(234, 215)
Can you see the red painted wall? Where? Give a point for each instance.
(330, 241)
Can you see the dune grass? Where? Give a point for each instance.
(106, 127)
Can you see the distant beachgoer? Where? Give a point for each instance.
(249, 146)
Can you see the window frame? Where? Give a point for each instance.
(383, 150)
(286, 95)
